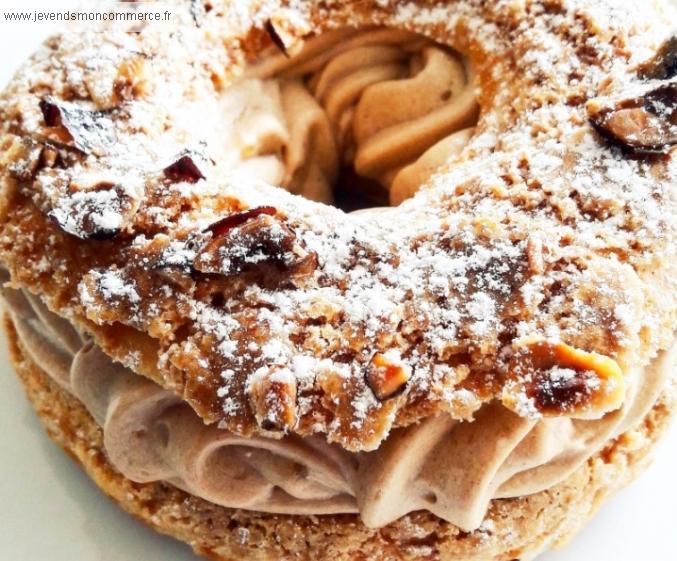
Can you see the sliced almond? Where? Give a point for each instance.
(254, 240)
(91, 132)
(663, 66)
(644, 123)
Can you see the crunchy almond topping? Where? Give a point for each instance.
(535, 255)
(50, 157)
(664, 65)
(254, 240)
(272, 395)
(286, 39)
(557, 379)
(185, 168)
(275, 37)
(229, 222)
(50, 113)
(131, 80)
(23, 158)
(96, 211)
(386, 376)
(644, 124)
(91, 132)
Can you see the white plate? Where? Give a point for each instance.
(51, 510)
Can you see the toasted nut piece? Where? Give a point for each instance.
(560, 380)
(387, 375)
(535, 255)
(254, 240)
(51, 113)
(226, 224)
(132, 79)
(96, 208)
(184, 168)
(91, 132)
(49, 157)
(22, 157)
(283, 37)
(664, 65)
(644, 124)
(272, 394)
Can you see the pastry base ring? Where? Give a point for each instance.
(514, 528)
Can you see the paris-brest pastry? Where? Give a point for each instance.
(349, 280)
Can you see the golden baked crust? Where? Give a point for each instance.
(541, 229)
(513, 529)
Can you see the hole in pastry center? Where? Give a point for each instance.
(356, 117)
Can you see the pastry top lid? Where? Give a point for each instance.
(534, 269)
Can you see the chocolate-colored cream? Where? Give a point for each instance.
(391, 104)
(450, 468)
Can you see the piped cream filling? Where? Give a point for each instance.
(450, 468)
(390, 104)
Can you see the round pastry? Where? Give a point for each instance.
(363, 280)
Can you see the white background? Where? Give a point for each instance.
(49, 510)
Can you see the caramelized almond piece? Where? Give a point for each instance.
(272, 395)
(131, 80)
(275, 37)
(22, 157)
(560, 380)
(254, 240)
(664, 65)
(387, 376)
(51, 113)
(643, 124)
(91, 132)
(184, 168)
(282, 37)
(535, 255)
(96, 212)
(234, 220)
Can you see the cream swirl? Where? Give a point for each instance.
(151, 435)
(379, 100)
(450, 468)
